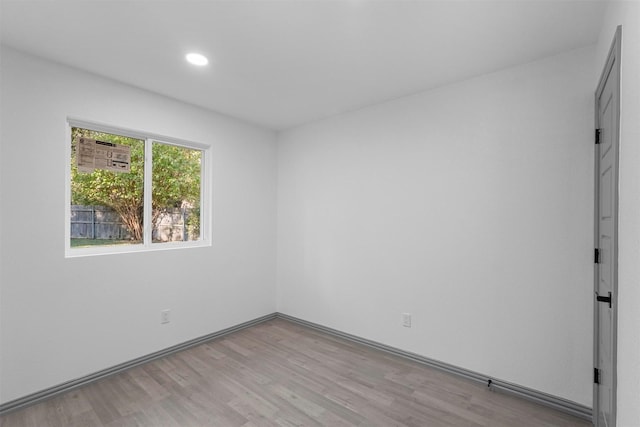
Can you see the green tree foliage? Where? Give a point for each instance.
(175, 182)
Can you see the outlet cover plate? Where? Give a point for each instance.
(406, 320)
(165, 316)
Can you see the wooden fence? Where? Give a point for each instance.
(100, 222)
(97, 222)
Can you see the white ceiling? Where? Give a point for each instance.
(287, 62)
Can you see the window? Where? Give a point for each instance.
(130, 191)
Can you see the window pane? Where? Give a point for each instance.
(106, 190)
(175, 193)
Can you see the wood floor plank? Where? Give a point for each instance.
(277, 374)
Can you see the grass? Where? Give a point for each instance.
(83, 243)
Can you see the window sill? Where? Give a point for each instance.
(134, 248)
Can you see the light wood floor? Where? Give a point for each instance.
(281, 374)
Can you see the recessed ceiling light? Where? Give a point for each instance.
(197, 59)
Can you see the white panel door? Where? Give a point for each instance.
(606, 234)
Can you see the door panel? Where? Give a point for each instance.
(606, 195)
(606, 235)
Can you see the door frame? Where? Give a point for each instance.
(612, 65)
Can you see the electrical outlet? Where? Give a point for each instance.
(165, 316)
(406, 320)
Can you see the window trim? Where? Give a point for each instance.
(147, 245)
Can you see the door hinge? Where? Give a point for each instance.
(597, 136)
(596, 256)
(604, 299)
(596, 376)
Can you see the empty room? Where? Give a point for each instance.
(319, 213)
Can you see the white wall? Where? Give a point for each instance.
(627, 14)
(469, 206)
(65, 318)
(1, 210)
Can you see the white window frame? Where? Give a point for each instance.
(147, 244)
